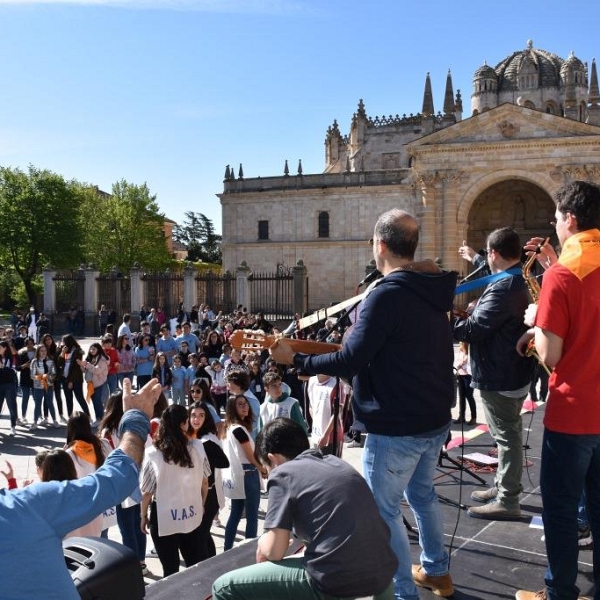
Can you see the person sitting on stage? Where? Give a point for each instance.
(329, 507)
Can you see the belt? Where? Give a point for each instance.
(248, 467)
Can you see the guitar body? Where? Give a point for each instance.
(244, 339)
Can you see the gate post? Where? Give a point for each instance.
(300, 300)
(90, 297)
(137, 295)
(242, 286)
(49, 291)
(190, 289)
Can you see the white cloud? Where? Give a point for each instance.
(217, 6)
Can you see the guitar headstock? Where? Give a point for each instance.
(250, 340)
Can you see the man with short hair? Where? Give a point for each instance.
(167, 344)
(125, 328)
(498, 372)
(187, 336)
(348, 551)
(566, 338)
(279, 403)
(399, 355)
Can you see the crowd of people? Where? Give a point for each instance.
(224, 420)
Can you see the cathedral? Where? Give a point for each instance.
(534, 125)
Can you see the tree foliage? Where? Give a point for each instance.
(198, 235)
(124, 228)
(39, 220)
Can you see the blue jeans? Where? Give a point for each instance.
(8, 391)
(404, 467)
(47, 396)
(570, 463)
(113, 383)
(128, 520)
(26, 391)
(97, 401)
(250, 503)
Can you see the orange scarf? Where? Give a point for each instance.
(581, 253)
(84, 451)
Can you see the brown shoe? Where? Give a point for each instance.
(525, 595)
(484, 495)
(440, 585)
(541, 595)
(494, 511)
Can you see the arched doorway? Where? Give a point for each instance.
(513, 203)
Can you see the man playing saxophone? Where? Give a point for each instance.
(566, 337)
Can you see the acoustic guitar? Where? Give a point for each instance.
(249, 340)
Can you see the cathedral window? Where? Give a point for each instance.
(323, 224)
(263, 230)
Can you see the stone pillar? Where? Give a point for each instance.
(190, 289)
(300, 299)
(90, 303)
(137, 295)
(242, 285)
(49, 291)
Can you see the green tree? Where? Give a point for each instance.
(124, 228)
(198, 235)
(39, 220)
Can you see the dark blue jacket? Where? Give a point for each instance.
(399, 354)
(492, 331)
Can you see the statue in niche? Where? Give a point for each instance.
(519, 211)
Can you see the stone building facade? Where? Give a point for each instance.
(534, 125)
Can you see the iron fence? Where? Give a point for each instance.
(273, 293)
(216, 290)
(69, 291)
(163, 290)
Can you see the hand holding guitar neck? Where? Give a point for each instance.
(283, 348)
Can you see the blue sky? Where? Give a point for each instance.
(168, 92)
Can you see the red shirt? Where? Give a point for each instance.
(113, 359)
(569, 307)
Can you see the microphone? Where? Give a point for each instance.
(480, 268)
(374, 274)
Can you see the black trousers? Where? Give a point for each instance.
(168, 547)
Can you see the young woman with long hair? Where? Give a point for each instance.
(8, 383)
(88, 453)
(129, 511)
(95, 369)
(174, 484)
(162, 372)
(48, 341)
(241, 483)
(199, 392)
(126, 359)
(71, 375)
(43, 373)
(202, 427)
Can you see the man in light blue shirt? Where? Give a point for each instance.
(187, 336)
(34, 519)
(167, 344)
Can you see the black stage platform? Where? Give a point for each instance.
(490, 559)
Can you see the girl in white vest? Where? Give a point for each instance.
(241, 482)
(202, 427)
(174, 484)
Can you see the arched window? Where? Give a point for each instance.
(323, 224)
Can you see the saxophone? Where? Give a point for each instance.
(534, 291)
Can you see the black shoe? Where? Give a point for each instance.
(459, 420)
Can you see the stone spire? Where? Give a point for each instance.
(449, 107)
(594, 97)
(427, 99)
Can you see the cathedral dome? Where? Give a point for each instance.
(532, 61)
(485, 72)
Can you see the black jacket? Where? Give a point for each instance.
(399, 354)
(492, 331)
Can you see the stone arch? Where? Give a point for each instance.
(519, 200)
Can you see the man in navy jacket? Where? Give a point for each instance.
(399, 356)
